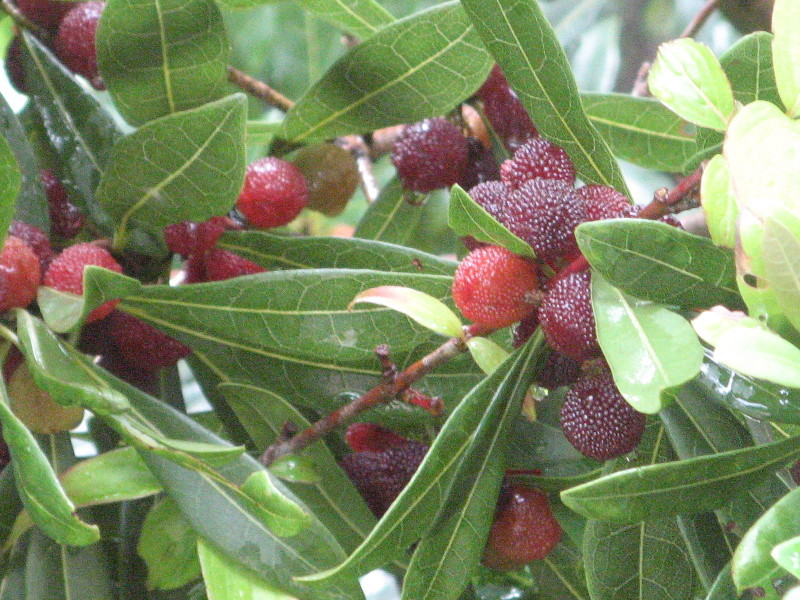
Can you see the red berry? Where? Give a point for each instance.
(537, 158)
(381, 476)
(597, 420)
(481, 165)
(14, 66)
(190, 239)
(66, 220)
(195, 269)
(142, 345)
(495, 287)
(567, 318)
(369, 437)
(602, 202)
(491, 195)
(274, 192)
(75, 40)
(524, 529)
(505, 112)
(5, 455)
(36, 239)
(558, 371)
(221, 264)
(20, 274)
(65, 273)
(47, 13)
(431, 154)
(544, 213)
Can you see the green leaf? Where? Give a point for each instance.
(31, 205)
(467, 217)
(391, 218)
(748, 65)
(486, 353)
(360, 18)
(786, 55)
(641, 130)
(688, 79)
(226, 580)
(719, 202)
(198, 154)
(285, 252)
(159, 57)
(787, 555)
(430, 312)
(638, 340)
(781, 249)
(446, 558)
(10, 183)
(460, 447)
(282, 515)
(753, 565)
(761, 354)
(60, 310)
(167, 545)
(295, 469)
(81, 131)
(10, 506)
(723, 588)
(686, 486)
(415, 68)
(523, 43)
(333, 498)
(38, 486)
(710, 325)
(657, 262)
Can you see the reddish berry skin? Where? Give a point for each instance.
(597, 420)
(481, 165)
(36, 239)
(274, 192)
(603, 202)
(524, 330)
(369, 437)
(567, 319)
(537, 158)
(505, 112)
(431, 154)
(20, 274)
(14, 66)
(524, 529)
(221, 264)
(495, 287)
(66, 220)
(544, 213)
(492, 196)
(75, 40)
(65, 273)
(195, 269)
(190, 239)
(47, 13)
(142, 345)
(381, 476)
(558, 371)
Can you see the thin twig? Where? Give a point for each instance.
(381, 393)
(356, 145)
(22, 21)
(259, 89)
(663, 199)
(700, 18)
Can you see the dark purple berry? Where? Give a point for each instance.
(14, 66)
(142, 345)
(505, 112)
(47, 13)
(524, 329)
(66, 220)
(603, 202)
(567, 319)
(597, 420)
(36, 239)
(431, 154)
(491, 195)
(481, 166)
(369, 437)
(558, 371)
(537, 158)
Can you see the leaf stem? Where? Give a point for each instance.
(663, 199)
(700, 18)
(257, 89)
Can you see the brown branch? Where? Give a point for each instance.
(22, 21)
(258, 89)
(663, 199)
(385, 391)
(700, 18)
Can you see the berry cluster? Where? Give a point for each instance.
(73, 27)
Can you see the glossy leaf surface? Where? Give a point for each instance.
(719, 202)
(360, 18)
(785, 26)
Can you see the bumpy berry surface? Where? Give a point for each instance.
(381, 476)
(504, 111)
(558, 371)
(14, 66)
(75, 40)
(188, 238)
(544, 213)
(537, 158)
(66, 220)
(274, 192)
(492, 196)
(47, 13)
(20, 274)
(567, 319)
(495, 287)
(481, 165)
(603, 202)
(65, 273)
(369, 437)
(524, 529)
(36, 239)
(332, 176)
(431, 154)
(597, 420)
(142, 345)
(221, 264)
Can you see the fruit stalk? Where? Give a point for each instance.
(259, 89)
